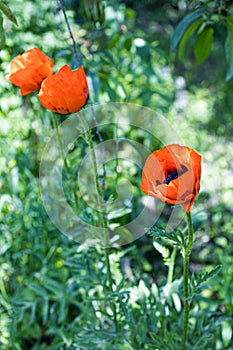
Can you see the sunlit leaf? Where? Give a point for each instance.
(7, 12)
(184, 24)
(203, 45)
(189, 32)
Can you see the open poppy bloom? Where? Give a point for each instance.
(172, 174)
(29, 70)
(64, 92)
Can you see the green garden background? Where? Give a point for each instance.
(53, 290)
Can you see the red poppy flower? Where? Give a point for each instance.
(172, 174)
(29, 70)
(64, 92)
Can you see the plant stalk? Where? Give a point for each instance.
(60, 142)
(68, 173)
(187, 252)
(100, 193)
(102, 218)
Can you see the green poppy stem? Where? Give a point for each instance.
(102, 218)
(187, 252)
(110, 282)
(68, 173)
(55, 125)
(94, 164)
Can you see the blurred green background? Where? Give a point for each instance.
(51, 287)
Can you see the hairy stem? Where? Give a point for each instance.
(68, 173)
(110, 282)
(100, 192)
(74, 45)
(187, 252)
(102, 218)
(55, 125)
(60, 2)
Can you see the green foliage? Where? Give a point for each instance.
(196, 283)
(185, 37)
(54, 292)
(229, 48)
(2, 33)
(203, 45)
(202, 22)
(184, 25)
(4, 9)
(7, 12)
(176, 237)
(93, 11)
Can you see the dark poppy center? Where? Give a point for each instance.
(172, 175)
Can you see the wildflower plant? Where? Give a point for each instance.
(97, 290)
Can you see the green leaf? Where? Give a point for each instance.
(226, 333)
(160, 343)
(2, 32)
(38, 290)
(189, 32)
(7, 12)
(229, 50)
(203, 45)
(176, 236)
(196, 283)
(45, 309)
(184, 25)
(176, 301)
(212, 273)
(162, 250)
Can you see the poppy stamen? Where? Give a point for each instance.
(172, 175)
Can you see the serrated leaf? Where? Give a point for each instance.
(211, 273)
(8, 13)
(176, 237)
(189, 32)
(203, 45)
(184, 24)
(196, 284)
(229, 50)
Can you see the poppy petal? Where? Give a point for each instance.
(28, 70)
(65, 92)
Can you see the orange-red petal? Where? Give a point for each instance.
(29, 70)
